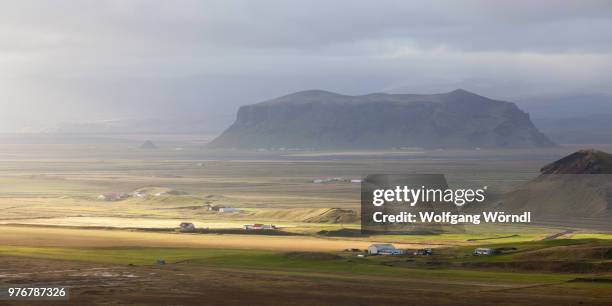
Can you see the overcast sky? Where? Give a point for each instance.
(90, 60)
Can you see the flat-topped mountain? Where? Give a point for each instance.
(325, 120)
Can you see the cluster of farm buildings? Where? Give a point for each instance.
(190, 227)
(219, 208)
(322, 180)
(390, 249)
(118, 196)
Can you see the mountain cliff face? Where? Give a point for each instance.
(326, 120)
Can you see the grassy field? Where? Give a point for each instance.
(271, 260)
(52, 223)
(120, 265)
(268, 189)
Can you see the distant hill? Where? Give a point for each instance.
(327, 120)
(571, 118)
(584, 129)
(309, 215)
(574, 191)
(557, 106)
(148, 145)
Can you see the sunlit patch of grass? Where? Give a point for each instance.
(248, 259)
(591, 236)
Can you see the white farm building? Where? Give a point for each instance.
(384, 249)
(258, 226)
(227, 210)
(484, 251)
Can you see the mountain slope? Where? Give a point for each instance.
(589, 129)
(556, 106)
(573, 191)
(326, 120)
(581, 162)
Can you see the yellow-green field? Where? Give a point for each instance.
(53, 222)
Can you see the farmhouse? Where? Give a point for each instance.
(384, 249)
(219, 208)
(113, 196)
(211, 207)
(187, 227)
(321, 180)
(258, 226)
(484, 251)
(227, 210)
(329, 180)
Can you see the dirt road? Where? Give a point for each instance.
(559, 234)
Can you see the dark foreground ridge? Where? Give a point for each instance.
(318, 119)
(581, 162)
(574, 191)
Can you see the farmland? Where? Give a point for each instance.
(54, 229)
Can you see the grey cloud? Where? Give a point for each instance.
(95, 59)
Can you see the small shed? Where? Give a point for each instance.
(423, 252)
(187, 227)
